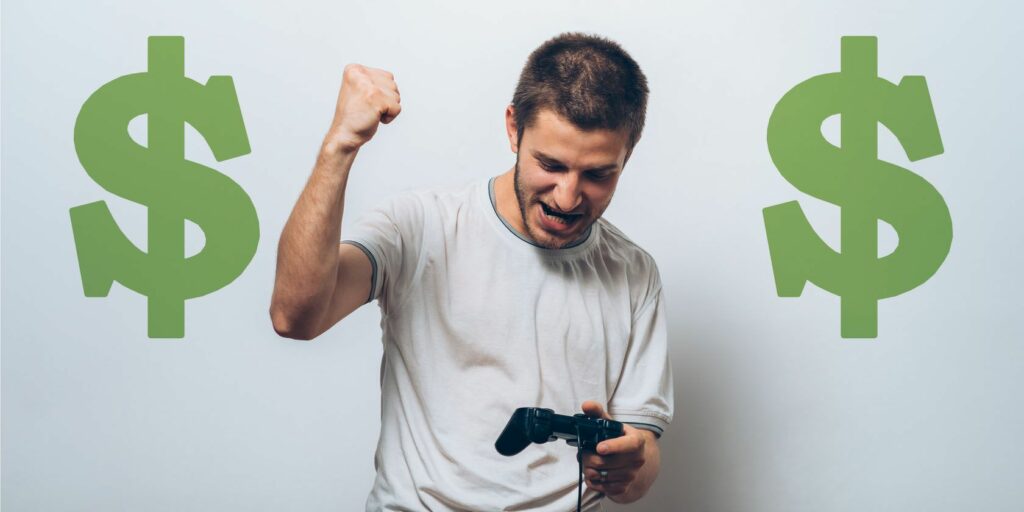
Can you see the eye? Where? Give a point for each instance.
(598, 176)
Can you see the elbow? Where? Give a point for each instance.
(286, 327)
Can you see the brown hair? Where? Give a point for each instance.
(587, 79)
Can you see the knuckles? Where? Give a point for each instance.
(353, 70)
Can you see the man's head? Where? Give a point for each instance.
(575, 117)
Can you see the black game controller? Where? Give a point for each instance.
(537, 425)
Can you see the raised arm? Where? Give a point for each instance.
(318, 280)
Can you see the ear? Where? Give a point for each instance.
(510, 128)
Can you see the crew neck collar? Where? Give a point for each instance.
(580, 244)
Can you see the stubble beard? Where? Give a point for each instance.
(522, 200)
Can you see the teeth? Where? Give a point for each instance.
(558, 219)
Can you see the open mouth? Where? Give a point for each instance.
(559, 220)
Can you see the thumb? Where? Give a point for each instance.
(592, 408)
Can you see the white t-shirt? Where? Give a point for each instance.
(478, 321)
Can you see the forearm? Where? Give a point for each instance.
(307, 253)
(646, 474)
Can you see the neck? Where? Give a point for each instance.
(506, 202)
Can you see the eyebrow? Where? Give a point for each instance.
(554, 161)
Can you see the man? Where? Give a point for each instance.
(508, 292)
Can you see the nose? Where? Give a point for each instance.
(567, 194)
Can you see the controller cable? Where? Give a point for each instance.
(579, 458)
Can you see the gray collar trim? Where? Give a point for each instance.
(494, 206)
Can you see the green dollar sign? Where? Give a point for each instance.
(174, 189)
(865, 188)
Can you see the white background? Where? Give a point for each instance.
(774, 411)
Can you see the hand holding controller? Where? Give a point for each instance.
(537, 425)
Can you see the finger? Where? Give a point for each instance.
(386, 85)
(626, 444)
(615, 488)
(607, 488)
(592, 408)
(384, 94)
(612, 462)
(595, 484)
(611, 477)
(391, 110)
(383, 79)
(383, 73)
(631, 440)
(595, 461)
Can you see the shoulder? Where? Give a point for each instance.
(638, 265)
(617, 245)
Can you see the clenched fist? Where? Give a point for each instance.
(368, 96)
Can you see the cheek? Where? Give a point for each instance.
(539, 180)
(535, 187)
(600, 195)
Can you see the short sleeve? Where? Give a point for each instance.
(644, 394)
(390, 235)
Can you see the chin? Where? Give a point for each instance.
(551, 241)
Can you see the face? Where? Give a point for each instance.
(564, 177)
